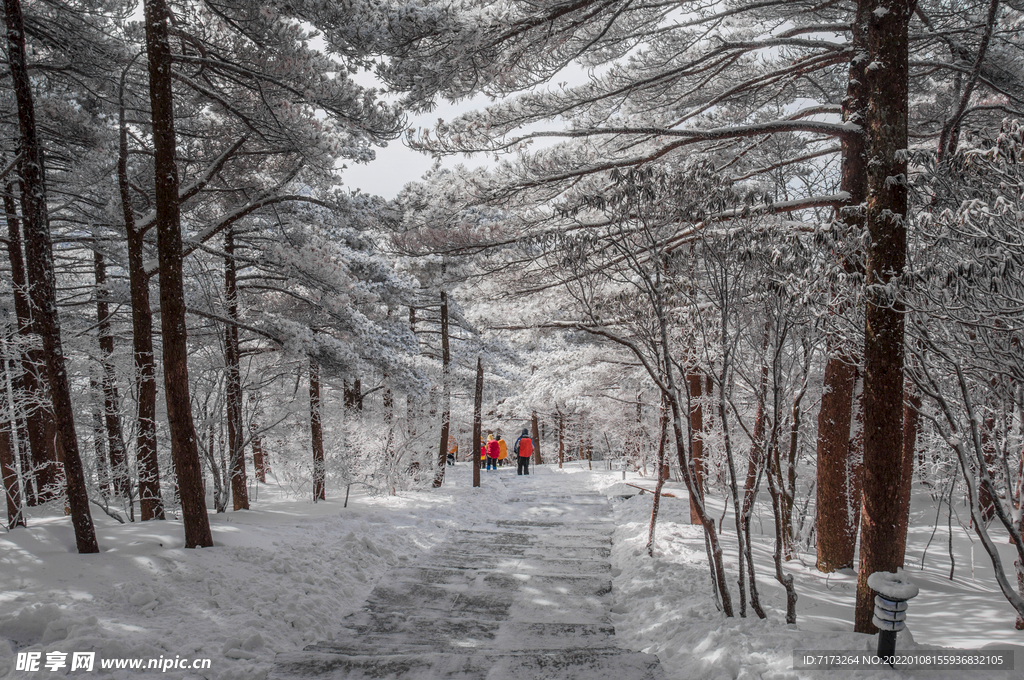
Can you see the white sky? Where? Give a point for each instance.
(397, 164)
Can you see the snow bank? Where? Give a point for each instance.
(663, 606)
(280, 577)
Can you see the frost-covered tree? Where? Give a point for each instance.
(965, 300)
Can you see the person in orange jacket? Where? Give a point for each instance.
(502, 452)
(493, 451)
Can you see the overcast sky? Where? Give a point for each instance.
(398, 165)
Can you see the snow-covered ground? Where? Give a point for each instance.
(283, 575)
(664, 607)
(280, 577)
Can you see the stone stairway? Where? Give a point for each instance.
(526, 597)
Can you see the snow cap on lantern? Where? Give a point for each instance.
(894, 589)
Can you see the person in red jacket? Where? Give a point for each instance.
(523, 449)
(493, 451)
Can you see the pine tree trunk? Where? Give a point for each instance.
(233, 389)
(184, 449)
(887, 78)
(836, 540)
(635, 446)
(111, 399)
(31, 391)
(855, 461)
(716, 560)
(561, 439)
(316, 434)
(697, 445)
(259, 457)
(42, 280)
(478, 401)
(756, 460)
(446, 394)
(410, 399)
(535, 432)
(151, 504)
(389, 427)
(910, 422)
(836, 533)
(9, 470)
(99, 445)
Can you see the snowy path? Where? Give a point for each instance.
(524, 595)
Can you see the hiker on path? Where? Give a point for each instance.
(493, 451)
(502, 451)
(453, 449)
(523, 449)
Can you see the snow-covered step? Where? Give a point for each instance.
(562, 584)
(563, 664)
(418, 634)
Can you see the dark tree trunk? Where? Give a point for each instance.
(836, 527)
(835, 531)
(446, 394)
(410, 399)
(561, 439)
(99, 444)
(12, 491)
(535, 432)
(697, 445)
(855, 461)
(350, 395)
(912, 402)
(111, 399)
(716, 561)
(389, 426)
(42, 280)
(887, 40)
(478, 401)
(316, 433)
(31, 394)
(151, 505)
(756, 460)
(635, 447)
(172, 295)
(259, 457)
(233, 397)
